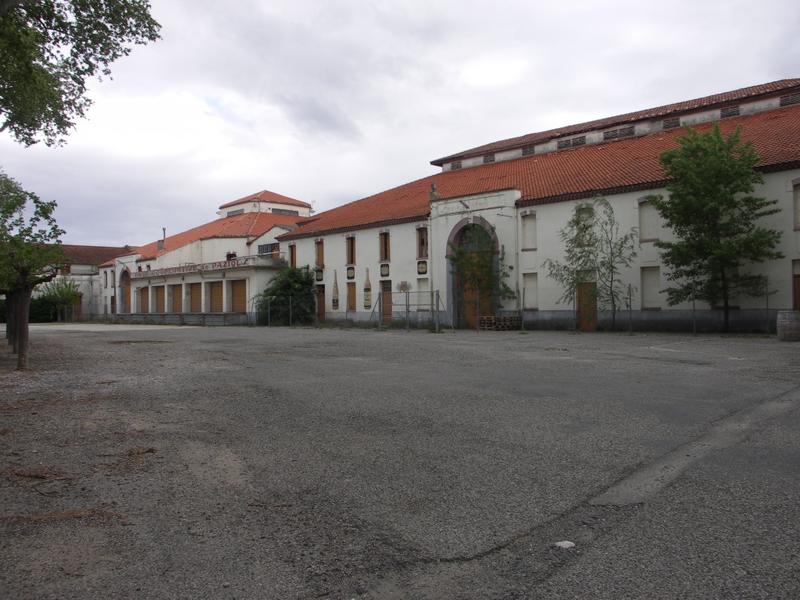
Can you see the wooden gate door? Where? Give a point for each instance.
(320, 303)
(239, 296)
(587, 306)
(215, 292)
(351, 296)
(386, 301)
(177, 298)
(796, 290)
(196, 297)
(159, 298)
(144, 300)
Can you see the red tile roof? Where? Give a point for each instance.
(583, 172)
(267, 196)
(247, 225)
(91, 255)
(707, 102)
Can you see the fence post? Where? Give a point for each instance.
(766, 298)
(437, 311)
(290, 311)
(522, 312)
(477, 312)
(694, 312)
(408, 316)
(269, 312)
(630, 309)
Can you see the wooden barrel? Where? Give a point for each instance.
(789, 325)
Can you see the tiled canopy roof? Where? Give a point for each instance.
(582, 172)
(91, 255)
(247, 225)
(708, 102)
(267, 196)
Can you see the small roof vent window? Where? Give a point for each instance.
(528, 150)
(729, 111)
(488, 158)
(671, 123)
(456, 164)
(790, 99)
(572, 142)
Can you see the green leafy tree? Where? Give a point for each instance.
(288, 299)
(714, 216)
(595, 249)
(615, 252)
(29, 254)
(479, 268)
(49, 49)
(62, 294)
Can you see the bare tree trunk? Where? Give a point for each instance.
(23, 312)
(11, 318)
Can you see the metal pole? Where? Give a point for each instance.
(522, 312)
(630, 309)
(694, 312)
(766, 299)
(290, 311)
(269, 312)
(437, 311)
(407, 313)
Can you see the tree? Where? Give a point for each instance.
(48, 51)
(29, 253)
(714, 217)
(615, 251)
(289, 298)
(594, 250)
(62, 294)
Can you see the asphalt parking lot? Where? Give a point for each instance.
(167, 462)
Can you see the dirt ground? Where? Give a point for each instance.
(166, 462)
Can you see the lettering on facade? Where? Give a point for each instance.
(212, 266)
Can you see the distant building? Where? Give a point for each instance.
(379, 254)
(209, 274)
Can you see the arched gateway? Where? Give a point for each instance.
(125, 292)
(473, 262)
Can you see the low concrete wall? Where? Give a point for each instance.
(206, 319)
(708, 321)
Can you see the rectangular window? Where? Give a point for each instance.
(269, 248)
(530, 291)
(456, 164)
(293, 256)
(351, 296)
(649, 223)
(285, 211)
(651, 284)
(383, 240)
(422, 242)
(528, 150)
(729, 111)
(488, 158)
(105, 279)
(319, 248)
(233, 213)
(351, 250)
(529, 232)
(671, 123)
(790, 99)
(797, 206)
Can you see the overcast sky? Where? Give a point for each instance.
(331, 101)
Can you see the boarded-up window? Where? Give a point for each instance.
(423, 299)
(176, 292)
(158, 292)
(529, 232)
(351, 296)
(384, 242)
(530, 290)
(215, 296)
(319, 247)
(651, 284)
(144, 300)
(196, 297)
(422, 242)
(649, 222)
(797, 206)
(293, 256)
(351, 250)
(239, 296)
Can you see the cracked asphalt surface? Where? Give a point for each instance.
(159, 462)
